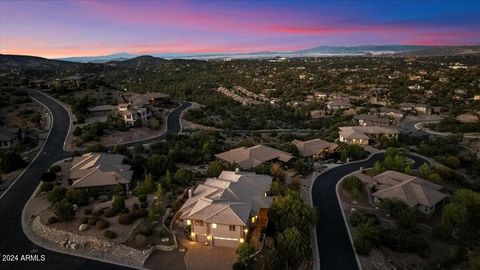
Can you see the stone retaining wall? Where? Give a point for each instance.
(91, 246)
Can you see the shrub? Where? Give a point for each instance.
(125, 210)
(110, 212)
(52, 220)
(140, 213)
(144, 205)
(362, 245)
(93, 220)
(102, 224)
(119, 203)
(142, 198)
(78, 197)
(125, 219)
(354, 186)
(135, 207)
(362, 216)
(403, 241)
(109, 234)
(57, 194)
(88, 211)
(48, 176)
(55, 169)
(46, 187)
(99, 212)
(83, 220)
(63, 210)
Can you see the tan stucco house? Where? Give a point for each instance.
(363, 134)
(415, 192)
(248, 158)
(316, 148)
(99, 172)
(222, 210)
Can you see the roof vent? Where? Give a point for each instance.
(237, 170)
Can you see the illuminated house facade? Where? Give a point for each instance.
(221, 211)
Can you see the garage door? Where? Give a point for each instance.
(225, 243)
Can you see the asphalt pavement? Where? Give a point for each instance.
(12, 238)
(334, 246)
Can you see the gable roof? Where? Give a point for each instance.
(252, 157)
(228, 199)
(99, 169)
(313, 147)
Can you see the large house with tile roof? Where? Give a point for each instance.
(415, 192)
(364, 134)
(221, 210)
(99, 172)
(316, 148)
(248, 158)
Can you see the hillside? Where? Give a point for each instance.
(443, 51)
(8, 61)
(140, 62)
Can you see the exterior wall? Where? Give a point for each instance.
(219, 236)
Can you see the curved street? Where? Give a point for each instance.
(12, 238)
(334, 247)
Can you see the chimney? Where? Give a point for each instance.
(361, 169)
(190, 193)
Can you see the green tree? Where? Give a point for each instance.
(277, 172)
(158, 164)
(293, 246)
(453, 162)
(300, 166)
(63, 210)
(271, 260)
(244, 251)
(291, 211)
(183, 176)
(145, 187)
(118, 203)
(214, 169)
(78, 197)
(57, 194)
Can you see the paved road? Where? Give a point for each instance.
(12, 239)
(334, 247)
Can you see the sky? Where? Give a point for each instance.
(61, 28)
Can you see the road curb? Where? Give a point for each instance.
(29, 234)
(317, 253)
(70, 126)
(39, 151)
(346, 222)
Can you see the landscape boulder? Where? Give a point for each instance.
(83, 227)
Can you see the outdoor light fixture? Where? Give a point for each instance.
(189, 222)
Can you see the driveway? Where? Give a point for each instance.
(200, 257)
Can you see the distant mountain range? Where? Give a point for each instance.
(132, 60)
(401, 50)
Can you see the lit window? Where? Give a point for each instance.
(214, 225)
(189, 222)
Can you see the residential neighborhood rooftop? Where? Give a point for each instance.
(253, 156)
